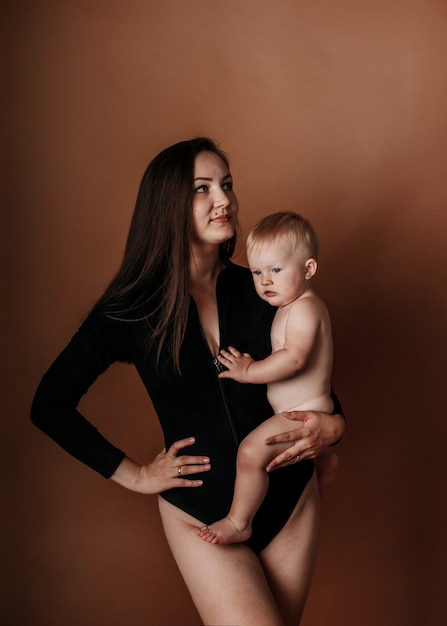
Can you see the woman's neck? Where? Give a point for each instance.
(205, 265)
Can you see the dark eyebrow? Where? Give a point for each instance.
(210, 179)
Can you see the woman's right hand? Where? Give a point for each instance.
(167, 471)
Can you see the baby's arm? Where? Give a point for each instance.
(301, 331)
(237, 364)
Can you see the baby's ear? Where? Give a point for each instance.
(310, 268)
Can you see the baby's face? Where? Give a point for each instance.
(279, 272)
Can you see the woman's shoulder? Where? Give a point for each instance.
(234, 274)
(103, 328)
(237, 284)
(134, 306)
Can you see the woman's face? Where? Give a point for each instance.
(215, 204)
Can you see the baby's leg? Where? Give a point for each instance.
(251, 483)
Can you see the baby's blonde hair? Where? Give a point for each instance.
(296, 228)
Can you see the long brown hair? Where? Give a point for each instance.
(155, 271)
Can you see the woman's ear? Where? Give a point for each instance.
(310, 268)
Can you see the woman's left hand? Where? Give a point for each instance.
(313, 434)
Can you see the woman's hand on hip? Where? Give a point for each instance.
(313, 434)
(167, 471)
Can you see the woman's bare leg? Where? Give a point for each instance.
(227, 583)
(289, 558)
(251, 484)
(326, 465)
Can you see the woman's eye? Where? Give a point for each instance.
(276, 270)
(227, 186)
(201, 189)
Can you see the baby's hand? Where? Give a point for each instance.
(237, 364)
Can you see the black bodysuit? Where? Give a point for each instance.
(219, 413)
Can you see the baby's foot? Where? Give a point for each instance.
(223, 532)
(326, 467)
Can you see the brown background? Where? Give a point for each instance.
(336, 109)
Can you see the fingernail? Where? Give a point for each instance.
(205, 459)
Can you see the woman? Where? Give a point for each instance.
(174, 302)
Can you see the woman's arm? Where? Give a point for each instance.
(98, 343)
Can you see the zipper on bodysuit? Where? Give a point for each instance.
(220, 368)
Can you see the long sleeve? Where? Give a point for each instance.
(99, 342)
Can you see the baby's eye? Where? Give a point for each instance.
(201, 189)
(275, 270)
(256, 272)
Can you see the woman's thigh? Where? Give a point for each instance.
(227, 583)
(289, 559)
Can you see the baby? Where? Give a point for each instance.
(282, 252)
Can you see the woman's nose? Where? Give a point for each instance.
(221, 199)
